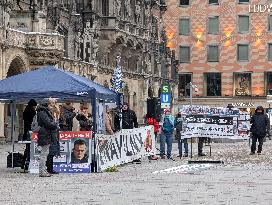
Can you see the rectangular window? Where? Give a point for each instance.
(184, 27)
(242, 84)
(215, 2)
(213, 83)
(213, 25)
(242, 52)
(270, 23)
(243, 1)
(269, 83)
(213, 53)
(270, 52)
(184, 2)
(243, 23)
(184, 53)
(184, 84)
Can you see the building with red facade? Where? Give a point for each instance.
(224, 48)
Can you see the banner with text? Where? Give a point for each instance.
(75, 153)
(125, 146)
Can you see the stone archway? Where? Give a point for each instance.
(16, 67)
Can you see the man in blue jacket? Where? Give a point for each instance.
(167, 129)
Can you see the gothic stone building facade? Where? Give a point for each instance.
(85, 37)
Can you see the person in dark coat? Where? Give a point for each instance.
(129, 121)
(46, 135)
(84, 119)
(67, 116)
(129, 118)
(28, 115)
(179, 126)
(259, 128)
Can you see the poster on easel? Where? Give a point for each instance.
(75, 153)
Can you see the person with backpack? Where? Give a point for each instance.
(179, 124)
(167, 129)
(46, 135)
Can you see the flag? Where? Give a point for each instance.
(116, 80)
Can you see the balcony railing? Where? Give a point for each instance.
(34, 40)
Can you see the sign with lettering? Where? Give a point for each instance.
(165, 100)
(75, 153)
(125, 146)
(243, 104)
(259, 8)
(166, 88)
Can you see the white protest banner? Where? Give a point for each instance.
(125, 146)
(208, 126)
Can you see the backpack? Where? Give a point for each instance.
(167, 126)
(35, 126)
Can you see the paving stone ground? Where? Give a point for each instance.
(243, 179)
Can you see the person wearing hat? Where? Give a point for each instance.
(259, 128)
(46, 135)
(129, 119)
(84, 119)
(167, 129)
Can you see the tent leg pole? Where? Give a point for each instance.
(93, 102)
(13, 114)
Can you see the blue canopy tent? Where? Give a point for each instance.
(53, 82)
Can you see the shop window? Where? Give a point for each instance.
(184, 2)
(243, 24)
(213, 25)
(184, 80)
(213, 83)
(184, 26)
(269, 83)
(242, 84)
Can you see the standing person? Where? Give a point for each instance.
(84, 118)
(259, 128)
(54, 149)
(155, 123)
(46, 135)
(108, 122)
(28, 115)
(168, 124)
(67, 116)
(179, 124)
(129, 119)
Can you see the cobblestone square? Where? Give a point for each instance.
(243, 179)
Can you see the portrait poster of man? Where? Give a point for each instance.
(75, 153)
(79, 153)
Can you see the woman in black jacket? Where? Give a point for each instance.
(47, 135)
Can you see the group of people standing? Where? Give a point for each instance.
(51, 118)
